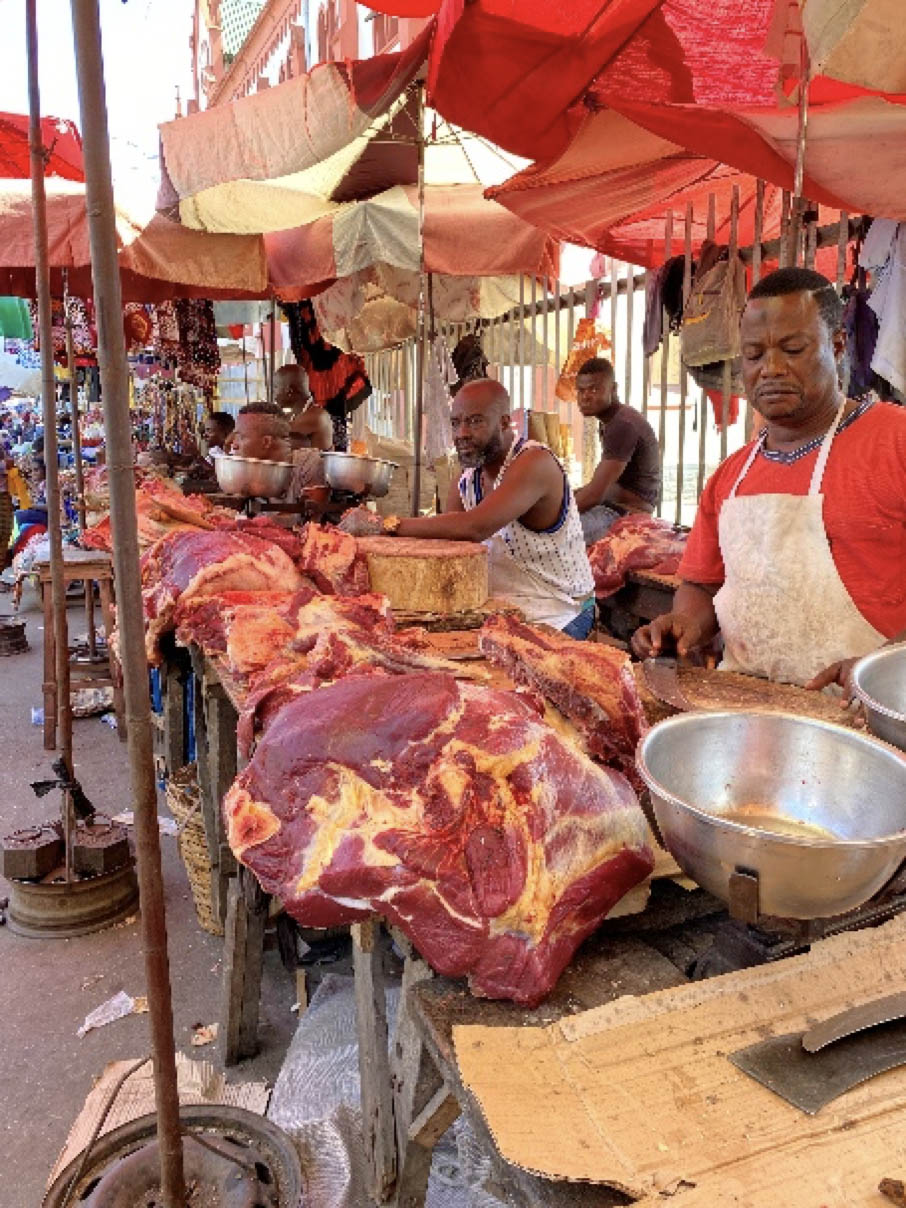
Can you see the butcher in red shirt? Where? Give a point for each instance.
(798, 552)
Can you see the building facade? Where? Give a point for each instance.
(239, 47)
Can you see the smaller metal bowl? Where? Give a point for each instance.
(360, 475)
(879, 681)
(252, 476)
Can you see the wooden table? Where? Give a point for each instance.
(411, 1090)
(91, 567)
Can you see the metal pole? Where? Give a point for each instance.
(422, 307)
(271, 398)
(60, 633)
(117, 424)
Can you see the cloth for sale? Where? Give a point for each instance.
(888, 298)
(861, 326)
(84, 332)
(198, 356)
(337, 379)
(137, 326)
(165, 332)
(439, 375)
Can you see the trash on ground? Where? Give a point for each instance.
(37, 717)
(203, 1033)
(166, 826)
(109, 719)
(118, 1007)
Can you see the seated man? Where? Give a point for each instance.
(628, 477)
(261, 432)
(218, 429)
(515, 497)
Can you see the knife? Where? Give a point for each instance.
(661, 676)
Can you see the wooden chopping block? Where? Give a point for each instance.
(427, 576)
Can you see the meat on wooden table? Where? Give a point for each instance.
(636, 542)
(195, 563)
(452, 810)
(590, 683)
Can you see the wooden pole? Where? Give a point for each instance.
(118, 430)
(60, 633)
(421, 335)
(665, 365)
(684, 374)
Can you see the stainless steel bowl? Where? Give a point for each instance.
(252, 476)
(721, 783)
(879, 681)
(361, 475)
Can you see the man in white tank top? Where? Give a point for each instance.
(513, 496)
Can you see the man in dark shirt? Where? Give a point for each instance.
(628, 477)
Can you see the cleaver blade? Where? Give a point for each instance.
(811, 1080)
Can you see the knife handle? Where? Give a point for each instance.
(855, 1019)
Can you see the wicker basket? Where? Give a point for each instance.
(184, 802)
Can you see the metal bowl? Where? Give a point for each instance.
(252, 476)
(723, 784)
(879, 681)
(361, 475)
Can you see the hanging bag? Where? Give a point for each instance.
(711, 317)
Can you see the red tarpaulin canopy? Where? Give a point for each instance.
(403, 8)
(697, 84)
(60, 139)
(158, 261)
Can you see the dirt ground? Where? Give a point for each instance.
(48, 986)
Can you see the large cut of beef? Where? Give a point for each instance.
(192, 564)
(249, 630)
(589, 682)
(161, 508)
(332, 560)
(636, 542)
(452, 810)
(336, 653)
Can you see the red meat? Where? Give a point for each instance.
(453, 811)
(589, 682)
(636, 542)
(193, 564)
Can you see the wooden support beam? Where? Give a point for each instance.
(243, 959)
(374, 1062)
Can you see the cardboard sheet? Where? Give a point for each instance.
(644, 1098)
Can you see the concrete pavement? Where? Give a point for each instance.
(47, 987)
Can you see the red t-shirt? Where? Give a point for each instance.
(864, 491)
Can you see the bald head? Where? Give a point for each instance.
(291, 389)
(480, 419)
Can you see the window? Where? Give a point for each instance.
(386, 30)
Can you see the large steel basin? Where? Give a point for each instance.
(252, 477)
(360, 475)
(843, 792)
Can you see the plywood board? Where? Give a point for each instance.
(644, 1097)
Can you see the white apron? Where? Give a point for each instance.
(783, 610)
